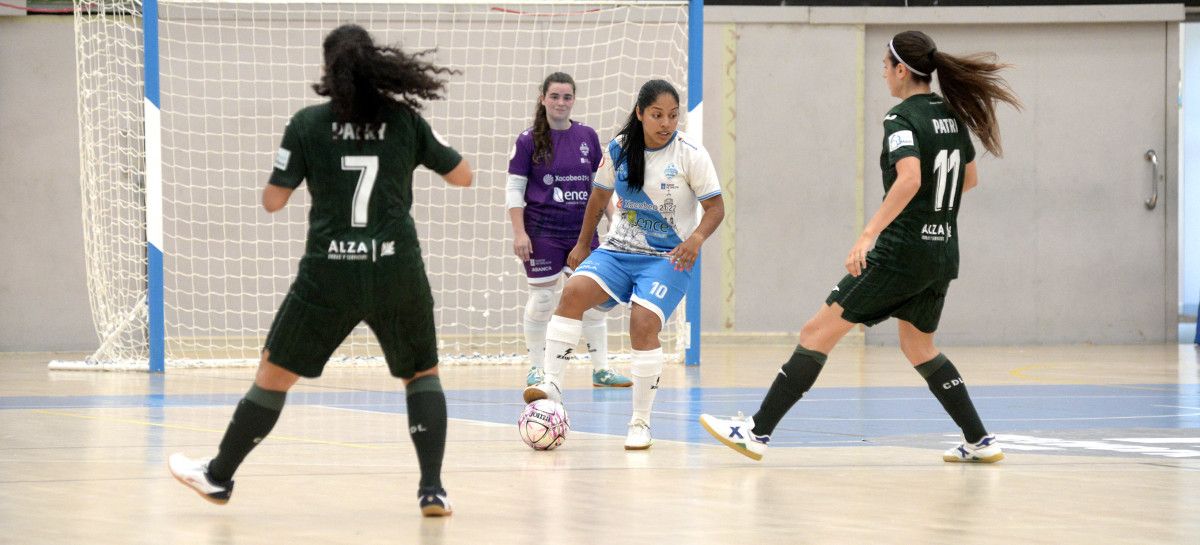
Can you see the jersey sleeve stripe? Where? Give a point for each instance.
(708, 196)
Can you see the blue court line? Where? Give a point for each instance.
(825, 416)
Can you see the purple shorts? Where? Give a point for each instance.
(549, 258)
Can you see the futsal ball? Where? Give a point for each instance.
(544, 424)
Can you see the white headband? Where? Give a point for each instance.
(901, 59)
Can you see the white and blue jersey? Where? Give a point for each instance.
(632, 265)
(665, 212)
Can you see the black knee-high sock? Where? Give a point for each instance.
(794, 379)
(949, 389)
(427, 427)
(253, 419)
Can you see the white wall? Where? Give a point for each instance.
(1189, 194)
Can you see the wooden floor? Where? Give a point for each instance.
(1103, 447)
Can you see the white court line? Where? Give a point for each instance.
(1008, 441)
(1014, 446)
(943, 418)
(371, 411)
(921, 398)
(484, 423)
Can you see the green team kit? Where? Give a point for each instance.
(916, 256)
(362, 259)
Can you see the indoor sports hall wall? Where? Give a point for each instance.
(1057, 245)
(43, 291)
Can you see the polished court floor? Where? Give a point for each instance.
(1103, 446)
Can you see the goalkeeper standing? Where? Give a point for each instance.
(549, 181)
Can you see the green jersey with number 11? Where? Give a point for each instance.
(923, 239)
(360, 178)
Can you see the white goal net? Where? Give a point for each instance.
(231, 73)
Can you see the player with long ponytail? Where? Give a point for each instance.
(902, 263)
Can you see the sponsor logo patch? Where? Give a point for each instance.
(281, 158)
(900, 139)
(348, 250)
(569, 196)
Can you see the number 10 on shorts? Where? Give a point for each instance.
(658, 290)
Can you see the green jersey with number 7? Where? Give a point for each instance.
(360, 178)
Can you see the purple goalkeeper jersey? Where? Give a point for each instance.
(557, 191)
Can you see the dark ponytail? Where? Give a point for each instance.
(360, 77)
(543, 150)
(970, 84)
(633, 146)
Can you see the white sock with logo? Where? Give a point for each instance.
(647, 370)
(562, 336)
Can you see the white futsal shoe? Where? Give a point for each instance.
(638, 437)
(194, 474)
(543, 390)
(434, 502)
(735, 433)
(984, 451)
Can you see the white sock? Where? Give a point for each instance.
(538, 311)
(647, 370)
(535, 341)
(595, 333)
(562, 336)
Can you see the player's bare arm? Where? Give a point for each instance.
(275, 197)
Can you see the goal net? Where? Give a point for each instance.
(230, 74)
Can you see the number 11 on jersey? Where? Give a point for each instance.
(941, 167)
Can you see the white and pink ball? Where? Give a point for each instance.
(544, 424)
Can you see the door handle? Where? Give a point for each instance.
(1153, 200)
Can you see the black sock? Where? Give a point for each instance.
(427, 427)
(794, 378)
(253, 419)
(949, 389)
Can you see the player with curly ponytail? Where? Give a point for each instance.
(362, 259)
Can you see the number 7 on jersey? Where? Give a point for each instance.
(368, 168)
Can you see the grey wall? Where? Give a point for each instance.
(43, 292)
(1056, 244)
(805, 112)
(795, 165)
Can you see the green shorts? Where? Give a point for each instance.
(329, 299)
(879, 294)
